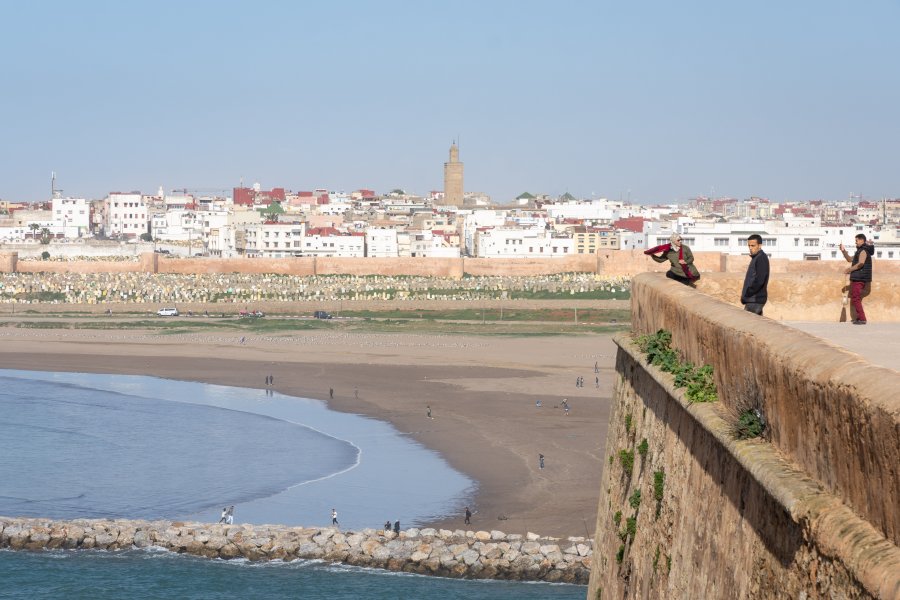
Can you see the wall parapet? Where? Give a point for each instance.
(833, 413)
(733, 518)
(460, 554)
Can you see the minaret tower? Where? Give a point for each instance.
(453, 179)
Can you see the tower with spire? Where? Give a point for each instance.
(453, 179)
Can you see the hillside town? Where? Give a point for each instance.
(253, 222)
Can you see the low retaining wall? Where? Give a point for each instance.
(459, 554)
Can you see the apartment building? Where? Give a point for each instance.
(501, 242)
(126, 215)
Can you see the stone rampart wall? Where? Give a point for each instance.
(809, 510)
(702, 515)
(810, 296)
(611, 263)
(829, 410)
(461, 554)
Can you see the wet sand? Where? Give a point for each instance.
(482, 392)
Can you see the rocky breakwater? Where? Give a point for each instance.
(460, 554)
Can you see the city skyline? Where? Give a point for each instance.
(650, 104)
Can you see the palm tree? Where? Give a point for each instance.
(45, 236)
(34, 227)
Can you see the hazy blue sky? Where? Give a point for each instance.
(659, 101)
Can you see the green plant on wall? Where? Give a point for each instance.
(631, 526)
(698, 381)
(626, 457)
(635, 499)
(617, 518)
(627, 422)
(642, 447)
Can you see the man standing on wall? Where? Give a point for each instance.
(860, 271)
(754, 293)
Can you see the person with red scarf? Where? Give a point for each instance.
(681, 257)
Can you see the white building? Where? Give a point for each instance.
(71, 217)
(381, 242)
(424, 244)
(329, 242)
(273, 240)
(126, 215)
(474, 220)
(798, 239)
(502, 242)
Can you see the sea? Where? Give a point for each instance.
(75, 445)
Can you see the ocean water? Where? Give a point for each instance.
(102, 446)
(147, 574)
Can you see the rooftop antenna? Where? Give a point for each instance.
(52, 184)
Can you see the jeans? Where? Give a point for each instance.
(754, 308)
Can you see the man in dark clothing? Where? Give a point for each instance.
(860, 272)
(468, 516)
(397, 527)
(754, 293)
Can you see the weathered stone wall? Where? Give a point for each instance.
(810, 511)
(626, 263)
(810, 296)
(461, 554)
(276, 266)
(580, 263)
(428, 267)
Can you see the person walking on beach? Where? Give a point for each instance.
(229, 517)
(356, 393)
(429, 412)
(334, 520)
(331, 393)
(860, 272)
(468, 516)
(387, 525)
(541, 461)
(596, 367)
(597, 381)
(224, 516)
(397, 527)
(754, 293)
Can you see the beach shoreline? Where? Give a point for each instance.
(482, 391)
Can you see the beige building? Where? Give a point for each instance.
(453, 179)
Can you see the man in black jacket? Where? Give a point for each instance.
(754, 292)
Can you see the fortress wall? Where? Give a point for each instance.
(810, 296)
(425, 267)
(734, 519)
(8, 262)
(275, 266)
(47, 266)
(611, 263)
(581, 263)
(834, 414)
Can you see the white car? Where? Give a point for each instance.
(167, 312)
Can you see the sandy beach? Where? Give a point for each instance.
(482, 391)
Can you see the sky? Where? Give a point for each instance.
(653, 102)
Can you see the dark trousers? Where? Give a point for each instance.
(754, 308)
(683, 280)
(856, 291)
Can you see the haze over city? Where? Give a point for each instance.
(656, 102)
